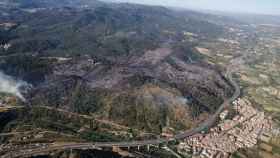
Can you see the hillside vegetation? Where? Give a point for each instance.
(136, 65)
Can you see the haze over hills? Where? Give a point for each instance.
(270, 7)
(104, 72)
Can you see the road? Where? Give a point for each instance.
(210, 122)
(7, 108)
(204, 126)
(87, 117)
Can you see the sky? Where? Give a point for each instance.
(243, 6)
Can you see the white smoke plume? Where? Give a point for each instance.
(11, 86)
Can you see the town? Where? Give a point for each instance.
(241, 131)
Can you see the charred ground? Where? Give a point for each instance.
(134, 65)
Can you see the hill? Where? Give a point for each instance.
(132, 64)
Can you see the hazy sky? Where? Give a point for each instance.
(246, 6)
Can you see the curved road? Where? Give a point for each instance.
(206, 125)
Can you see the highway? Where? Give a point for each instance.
(204, 126)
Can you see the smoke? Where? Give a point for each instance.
(11, 86)
(182, 100)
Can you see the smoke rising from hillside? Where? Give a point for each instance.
(11, 86)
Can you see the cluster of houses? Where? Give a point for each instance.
(240, 131)
(5, 46)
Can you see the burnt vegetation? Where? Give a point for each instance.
(107, 70)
